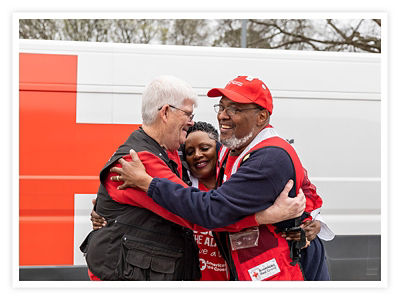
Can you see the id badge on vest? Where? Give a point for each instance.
(244, 239)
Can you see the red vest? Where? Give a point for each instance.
(270, 260)
(314, 201)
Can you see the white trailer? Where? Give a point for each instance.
(328, 103)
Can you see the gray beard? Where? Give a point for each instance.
(234, 143)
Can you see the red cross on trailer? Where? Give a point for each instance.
(58, 157)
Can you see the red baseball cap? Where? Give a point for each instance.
(245, 89)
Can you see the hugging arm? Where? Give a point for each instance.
(253, 188)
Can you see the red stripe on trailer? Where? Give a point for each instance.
(53, 145)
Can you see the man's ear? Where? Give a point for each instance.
(263, 118)
(164, 112)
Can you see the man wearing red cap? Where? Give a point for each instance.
(253, 168)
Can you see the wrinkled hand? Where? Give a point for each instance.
(311, 228)
(290, 207)
(132, 174)
(97, 220)
(284, 207)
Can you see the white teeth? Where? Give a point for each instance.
(225, 127)
(201, 164)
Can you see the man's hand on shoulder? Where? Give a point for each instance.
(132, 174)
(284, 207)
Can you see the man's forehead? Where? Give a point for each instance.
(225, 100)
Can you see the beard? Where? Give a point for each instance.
(235, 143)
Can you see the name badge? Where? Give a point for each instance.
(244, 239)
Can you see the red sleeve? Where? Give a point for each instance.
(249, 221)
(155, 167)
(314, 201)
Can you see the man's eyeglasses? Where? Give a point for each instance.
(189, 115)
(231, 110)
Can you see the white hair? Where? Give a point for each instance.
(163, 90)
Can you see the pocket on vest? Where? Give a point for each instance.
(148, 260)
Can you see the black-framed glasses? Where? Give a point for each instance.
(231, 110)
(189, 115)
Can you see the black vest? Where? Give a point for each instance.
(137, 244)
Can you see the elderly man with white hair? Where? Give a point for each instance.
(142, 240)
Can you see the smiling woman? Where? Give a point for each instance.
(200, 152)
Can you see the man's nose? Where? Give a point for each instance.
(190, 122)
(223, 115)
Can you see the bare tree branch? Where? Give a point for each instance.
(300, 34)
